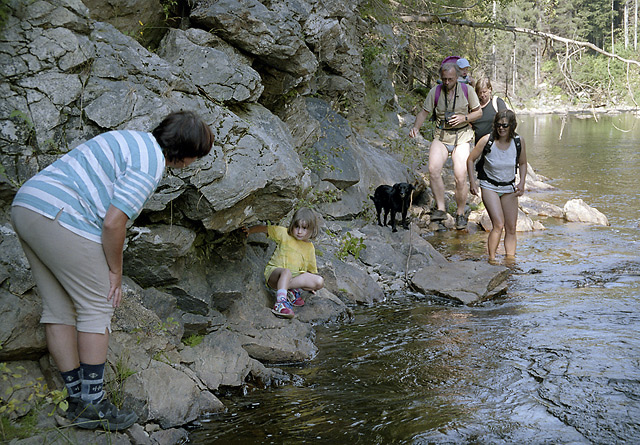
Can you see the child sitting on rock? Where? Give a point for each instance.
(292, 268)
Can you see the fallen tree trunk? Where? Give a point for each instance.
(430, 19)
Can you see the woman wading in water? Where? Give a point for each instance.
(502, 152)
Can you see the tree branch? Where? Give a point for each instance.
(429, 19)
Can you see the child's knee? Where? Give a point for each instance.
(319, 282)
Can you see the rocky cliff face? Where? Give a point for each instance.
(67, 75)
(249, 68)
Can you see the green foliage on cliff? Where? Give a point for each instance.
(23, 399)
(4, 13)
(350, 245)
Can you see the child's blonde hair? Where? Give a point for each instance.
(304, 217)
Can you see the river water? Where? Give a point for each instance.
(556, 360)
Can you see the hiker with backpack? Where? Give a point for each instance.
(490, 106)
(453, 106)
(500, 155)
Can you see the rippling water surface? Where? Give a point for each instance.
(556, 360)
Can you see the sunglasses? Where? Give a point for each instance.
(499, 125)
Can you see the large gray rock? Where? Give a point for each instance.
(577, 210)
(18, 379)
(146, 345)
(184, 403)
(345, 165)
(323, 307)
(119, 84)
(351, 282)
(333, 31)
(404, 251)
(467, 282)
(219, 360)
(263, 179)
(21, 335)
(532, 206)
(379, 65)
(143, 19)
(276, 340)
(219, 76)
(271, 34)
(153, 257)
(536, 182)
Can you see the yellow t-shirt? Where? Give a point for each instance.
(463, 106)
(291, 253)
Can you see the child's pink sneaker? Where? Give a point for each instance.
(295, 298)
(283, 309)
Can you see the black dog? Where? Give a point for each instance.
(392, 200)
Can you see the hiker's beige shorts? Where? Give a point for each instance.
(70, 271)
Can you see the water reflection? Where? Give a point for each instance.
(593, 161)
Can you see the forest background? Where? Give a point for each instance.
(551, 54)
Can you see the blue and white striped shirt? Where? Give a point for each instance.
(120, 168)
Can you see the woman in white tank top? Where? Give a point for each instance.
(499, 185)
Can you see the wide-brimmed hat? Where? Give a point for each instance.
(463, 63)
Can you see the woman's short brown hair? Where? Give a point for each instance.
(183, 134)
(304, 217)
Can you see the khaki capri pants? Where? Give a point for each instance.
(70, 271)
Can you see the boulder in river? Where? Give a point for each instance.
(576, 210)
(466, 282)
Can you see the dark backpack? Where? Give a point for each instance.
(487, 149)
(465, 90)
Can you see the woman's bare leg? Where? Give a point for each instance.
(510, 211)
(493, 205)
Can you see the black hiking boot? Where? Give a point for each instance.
(90, 416)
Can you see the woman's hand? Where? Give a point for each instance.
(473, 188)
(114, 228)
(115, 288)
(519, 189)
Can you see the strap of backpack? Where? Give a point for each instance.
(516, 139)
(487, 148)
(465, 90)
(480, 162)
(435, 103)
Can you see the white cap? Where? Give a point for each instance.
(462, 63)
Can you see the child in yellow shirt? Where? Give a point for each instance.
(293, 264)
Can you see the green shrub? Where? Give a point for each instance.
(350, 245)
(193, 340)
